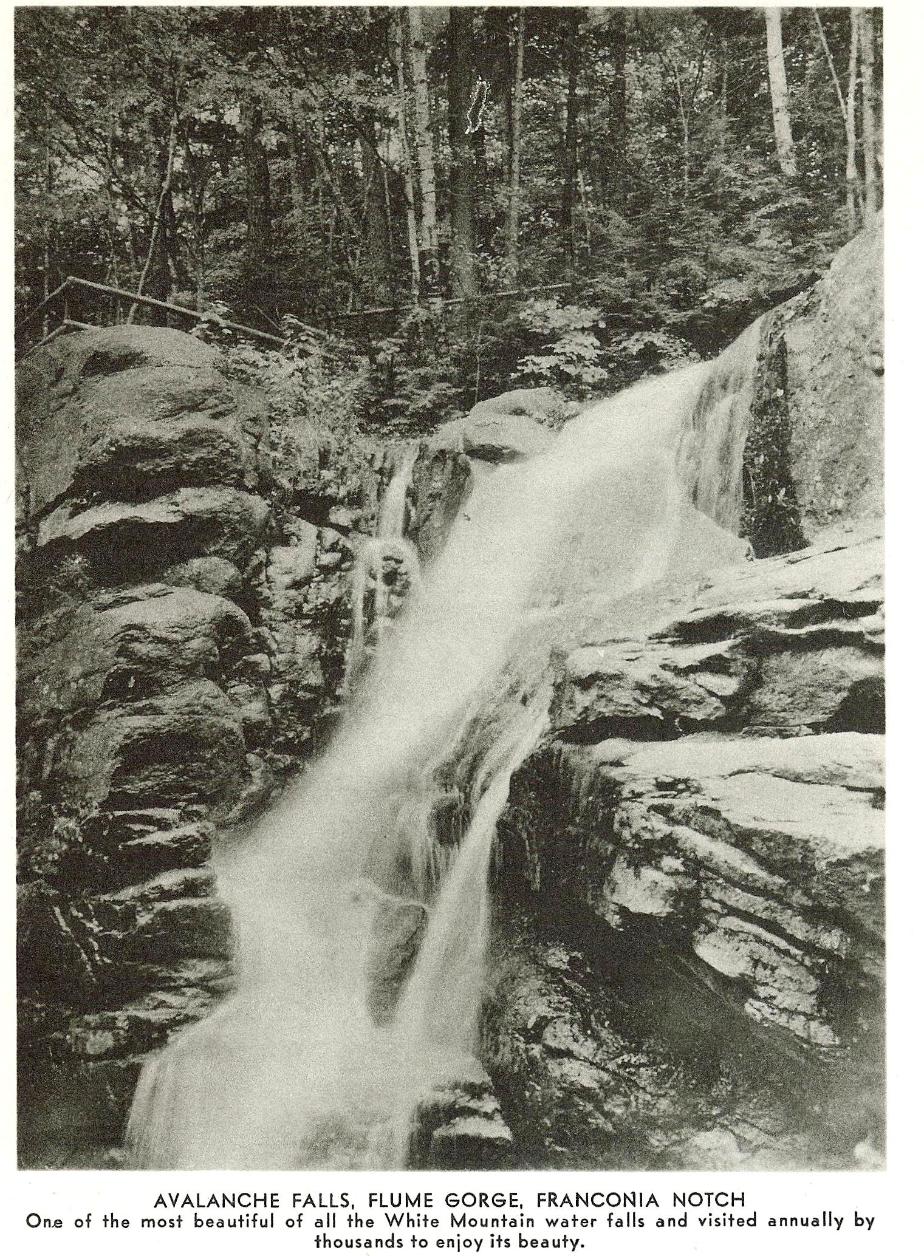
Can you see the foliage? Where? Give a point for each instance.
(571, 350)
(664, 216)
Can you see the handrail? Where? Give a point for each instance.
(27, 318)
(152, 302)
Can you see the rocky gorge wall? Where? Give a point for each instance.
(688, 956)
(688, 946)
(184, 573)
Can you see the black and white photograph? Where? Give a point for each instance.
(449, 589)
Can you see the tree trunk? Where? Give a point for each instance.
(407, 167)
(684, 117)
(157, 228)
(779, 93)
(867, 81)
(516, 122)
(569, 188)
(429, 260)
(257, 182)
(173, 247)
(826, 48)
(585, 209)
(850, 124)
(462, 209)
(723, 96)
(46, 258)
(616, 167)
(376, 220)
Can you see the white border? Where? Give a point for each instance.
(892, 1195)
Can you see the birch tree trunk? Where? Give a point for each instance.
(867, 81)
(429, 261)
(779, 93)
(158, 225)
(516, 116)
(723, 96)
(850, 123)
(569, 187)
(46, 233)
(829, 57)
(462, 183)
(407, 168)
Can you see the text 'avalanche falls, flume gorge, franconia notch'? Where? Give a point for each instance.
(581, 865)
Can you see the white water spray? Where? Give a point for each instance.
(378, 564)
(293, 1071)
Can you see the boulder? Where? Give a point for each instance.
(459, 1124)
(442, 481)
(186, 421)
(834, 387)
(507, 428)
(621, 1059)
(491, 437)
(788, 645)
(813, 455)
(397, 931)
(131, 540)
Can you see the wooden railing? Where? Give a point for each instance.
(53, 316)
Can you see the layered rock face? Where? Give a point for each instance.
(696, 852)
(688, 963)
(184, 574)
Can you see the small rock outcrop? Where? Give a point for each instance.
(509, 428)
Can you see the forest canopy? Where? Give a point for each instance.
(463, 199)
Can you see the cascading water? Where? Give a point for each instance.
(399, 814)
(378, 565)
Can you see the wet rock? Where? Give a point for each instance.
(180, 929)
(186, 846)
(702, 829)
(179, 648)
(619, 1058)
(397, 931)
(787, 646)
(491, 433)
(460, 1124)
(442, 481)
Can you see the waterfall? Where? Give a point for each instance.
(379, 563)
(711, 450)
(396, 821)
(393, 509)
